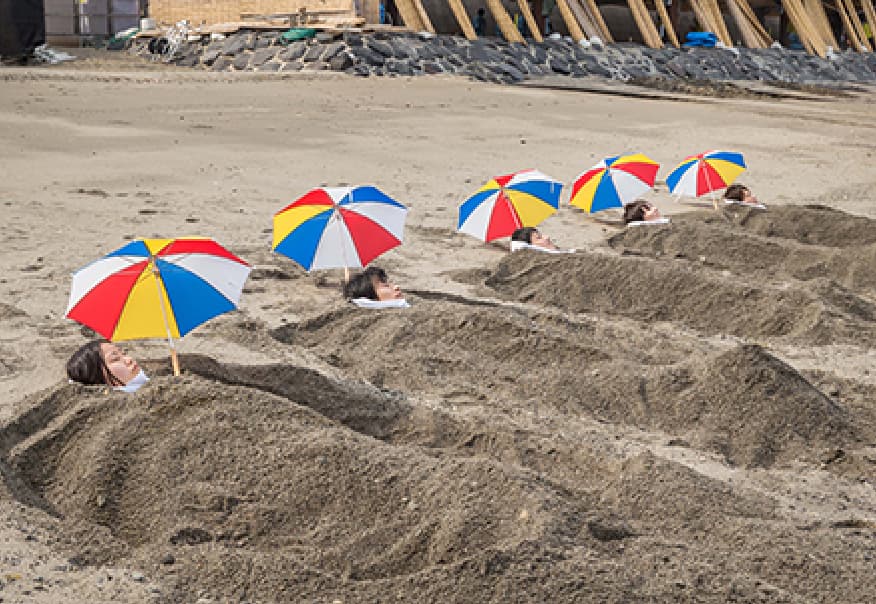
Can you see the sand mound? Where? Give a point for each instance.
(243, 495)
(743, 403)
(662, 290)
(751, 407)
(810, 224)
(218, 473)
(707, 239)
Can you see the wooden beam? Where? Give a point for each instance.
(583, 18)
(503, 20)
(410, 15)
(645, 23)
(870, 13)
(596, 17)
(815, 9)
(667, 23)
(571, 23)
(859, 28)
(530, 20)
(424, 16)
(462, 19)
(847, 25)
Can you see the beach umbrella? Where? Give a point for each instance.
(339, 227)
(157, 288)
(507, 203)
(701, 174)
(613, 182)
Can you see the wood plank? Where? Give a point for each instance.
(424, 16)
(583, 19)
(645, 23)
(571, 22)
(718, 18)
(530, 20)
(503, 20)
(667, 23)
(851, 34)
(749, 37)
(409, 14)
(596, 16)
(755, 23)
(859, 28)
(818, 16)
(870, 13)
(462, 19)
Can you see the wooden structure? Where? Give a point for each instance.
(656, 23)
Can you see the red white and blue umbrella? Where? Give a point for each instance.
(705, 172)
(157, 288)
(507, 203)
(613, 182)
(339, 227)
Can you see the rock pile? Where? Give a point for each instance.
(497, 61)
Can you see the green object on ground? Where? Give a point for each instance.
(297, 33)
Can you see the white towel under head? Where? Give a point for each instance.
(656, 221)
(522, 245)
(377, 304)
(733, 202)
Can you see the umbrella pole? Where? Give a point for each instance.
(174, 360)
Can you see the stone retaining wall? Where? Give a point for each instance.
(382, 54)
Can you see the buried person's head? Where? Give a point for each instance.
(640, 211)
(740, 194)
(533, 237)
(102, 362)
(372, 284)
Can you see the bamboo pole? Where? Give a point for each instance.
(571, 23)
(703, 18)
(722, 31)
(847, 25)
(462, 18)
(503, 20)
(410, 15)
(870, 13)
(587, 26)
(805, 29)
(667, 23)
(424, 16)
(856, 21)
(596, 17)
(815, 8)
(749, 37)
(531, 23)
(645, 23)
(762, 33)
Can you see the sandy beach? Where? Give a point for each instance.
(683, 413)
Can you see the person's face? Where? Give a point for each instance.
(747, 197)
(651, 212)
(387, 291)
(120, 365)
(539, 240)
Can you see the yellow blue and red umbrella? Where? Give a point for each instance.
(156, 288)
(613, 182)
(704, 173)
(507, 203)
(339, 227)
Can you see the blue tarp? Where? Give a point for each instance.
(704, 39)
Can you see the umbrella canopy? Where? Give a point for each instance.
(339, 227)
(156, 288)
(704, 173)
(507, 203)
(613, 182)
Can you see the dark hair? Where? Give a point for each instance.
(635, 211)
(524, 234)
(87, 366)
(361, 285)
(735, 192)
